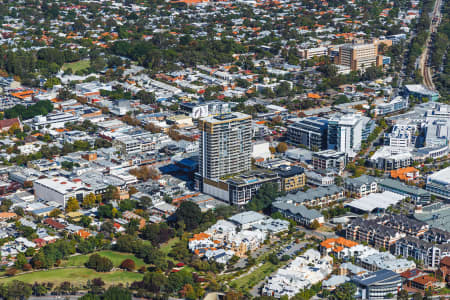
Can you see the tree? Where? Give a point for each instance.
(233, 295)
(72, 205)
(99, 263)
(274, 259)
(90, 296)
(39, 289)
(345, 291)
(21, 260)
(19, 290)
(89, 200)
(145, 202)
(128, 264)
(177, 280)
(154, 282)
(403, 295)
(282, 147)
(314, 225)
(264, 197)
(117, 293)
(111, 193)
(190, 213)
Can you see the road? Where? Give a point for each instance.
(424, 68)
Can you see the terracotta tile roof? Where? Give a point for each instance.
(424, 280)
(9, 122)
(446, 261)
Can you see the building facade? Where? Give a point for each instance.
(358, 56)
(225, 145)
(310, 132)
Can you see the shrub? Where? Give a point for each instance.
(128, 264)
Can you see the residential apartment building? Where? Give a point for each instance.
(299, 213)
(428, 253)
(310, 132)
(373, 233)
(329, 159)
(401, 136)
(225, 145)
(321, 196)
(292, 178)
(361, 186)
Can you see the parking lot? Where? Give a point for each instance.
(291, 249)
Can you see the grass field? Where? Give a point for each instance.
(77, 66)
(115, 257)
(248, 281)
(165, 248)
(75, 276)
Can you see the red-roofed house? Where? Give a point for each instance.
(55, 224)
(5, 125)
(444, 267)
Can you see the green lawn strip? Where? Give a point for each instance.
(165, 248)
(248, 281)
(77, 66)
(116, 257)
(75, 276)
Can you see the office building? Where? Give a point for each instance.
(418, 195)
(421, 92)
(310, 132)
(225, 145)
(358, 56)
(401, 136)
(59, 189)
(345, 133)
(377, 285)
(397, 104)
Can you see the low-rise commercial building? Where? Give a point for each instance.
(377, 285)
(439, 183)
(418, 195)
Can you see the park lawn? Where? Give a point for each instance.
(166, 247)
(324, 228)
(116, 257)
(249, 281)
(77, 65)
(75, 276)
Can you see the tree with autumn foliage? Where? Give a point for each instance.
(128, 264)
(72, 205)
(89, 200)
(145, 173)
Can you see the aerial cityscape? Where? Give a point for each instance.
(224, 149)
